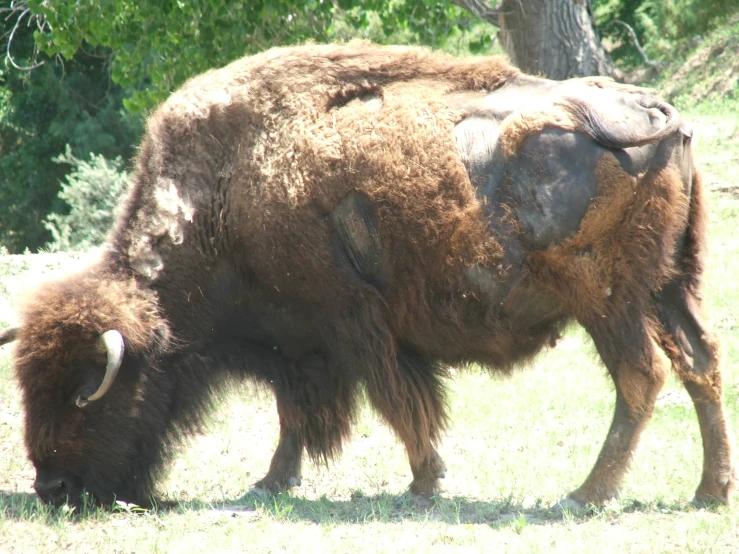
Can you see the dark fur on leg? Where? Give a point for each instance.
(632, 359)
(316, 402)
(403, 386)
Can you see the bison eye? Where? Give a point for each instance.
(79, 399)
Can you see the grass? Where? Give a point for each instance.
(515, 447)
(705, 79)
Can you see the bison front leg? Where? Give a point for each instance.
(633, 360)
(409, 395)
(285, 467)
(694, 355)
(426, 470)
(316, 403)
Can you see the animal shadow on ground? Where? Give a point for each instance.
(386, 507)
(360, 509)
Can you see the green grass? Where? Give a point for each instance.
(703, 82)
(704, 79)
(515, 447)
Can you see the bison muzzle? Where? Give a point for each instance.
(322, 219)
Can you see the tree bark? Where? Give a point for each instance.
(553, 38)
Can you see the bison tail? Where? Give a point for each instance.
(637, 121)
(693, 244)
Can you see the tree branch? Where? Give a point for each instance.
(643, 54)
(24, 11)
(480, 9)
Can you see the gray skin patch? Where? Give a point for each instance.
(680, 317)
(616, 116)
(357, 242)
(552, 183)
(549, 184)
(480, 152)
(552, 179)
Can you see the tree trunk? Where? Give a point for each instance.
(553, 38)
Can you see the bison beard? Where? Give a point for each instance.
(322, 218)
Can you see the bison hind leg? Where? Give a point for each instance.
(630, 352)
(695, 357)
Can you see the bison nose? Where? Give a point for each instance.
(55, 491)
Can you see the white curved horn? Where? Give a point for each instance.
(112, 343)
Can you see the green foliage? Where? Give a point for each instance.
(92, 191)
(426, 22)
(158, 44)
(660, 25)
(704, 81)
(41, 111)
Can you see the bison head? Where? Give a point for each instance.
(97, 409)
(57, 484)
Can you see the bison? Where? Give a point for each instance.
(328, 218)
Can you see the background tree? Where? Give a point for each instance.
(554, 38)
(105, 63)
(92, 190)
(41, 111)
(559, 38)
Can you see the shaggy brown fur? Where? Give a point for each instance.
(308, 218)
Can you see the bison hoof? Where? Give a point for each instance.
(707, 501)
(269, 486)
(415, 499)
(568, 504)
(257, 493)
(717, 492)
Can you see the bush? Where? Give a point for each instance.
(660, 25)
(92, 191)
(61, 102)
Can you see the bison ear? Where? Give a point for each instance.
(110, 342)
